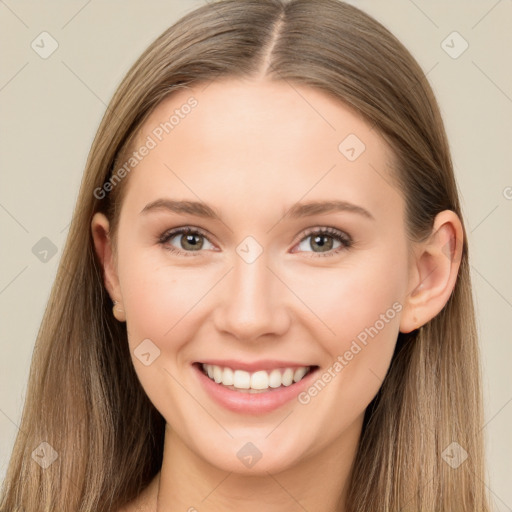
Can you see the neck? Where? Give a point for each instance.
(319, 481)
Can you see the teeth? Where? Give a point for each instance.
(299, 373)
(287, 377)
(228, 377)
(241, 379)
(260, 380)
(274, 379)
(217, 374)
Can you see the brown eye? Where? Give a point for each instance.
(188, 241)
(325, 242)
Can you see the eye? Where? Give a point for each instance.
(324, 239)
(190, 240)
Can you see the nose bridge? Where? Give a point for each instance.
(253, 304)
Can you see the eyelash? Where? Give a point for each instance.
(344, 239)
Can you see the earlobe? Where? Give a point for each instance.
(434, 274)
(100, 227)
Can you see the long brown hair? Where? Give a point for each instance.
(84, 398)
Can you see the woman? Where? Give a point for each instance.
(264, 300)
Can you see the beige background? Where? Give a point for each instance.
(51, 109)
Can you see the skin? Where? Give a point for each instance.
(252, 149)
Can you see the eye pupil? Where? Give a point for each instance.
(319, 240)
(189, 239)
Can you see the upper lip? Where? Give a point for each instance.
(266, 364)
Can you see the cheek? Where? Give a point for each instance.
(158, 298)
(358, 315)
(159, 303)
(353, 296)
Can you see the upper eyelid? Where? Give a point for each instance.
(328, 230)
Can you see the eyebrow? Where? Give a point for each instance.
(298, 210)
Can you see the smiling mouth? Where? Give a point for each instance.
(260, 381)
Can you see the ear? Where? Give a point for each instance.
(434, 271)
(100, 228)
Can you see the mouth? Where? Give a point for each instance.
(258, 389)
(259, 381)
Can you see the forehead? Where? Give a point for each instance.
(247, 142)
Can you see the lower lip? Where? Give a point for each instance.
(252, 403)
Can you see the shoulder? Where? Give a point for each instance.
(146, 501)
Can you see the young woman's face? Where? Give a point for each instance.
(268, 284)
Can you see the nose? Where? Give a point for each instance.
(254, 303)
